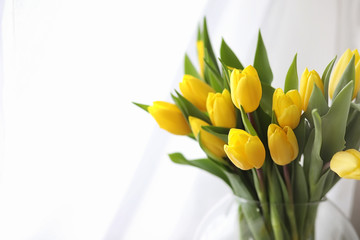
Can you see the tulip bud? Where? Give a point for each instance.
(195, 90)
(201, 55)
(340, 68)
(287, 107)
(244, 150)
(346, 164)
(283, 144)
(169, 117)
(246, 88)
(307, 84)
(221, 109)
(214, 144)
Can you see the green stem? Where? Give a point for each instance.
(291, 209)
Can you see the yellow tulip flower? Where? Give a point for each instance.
(214, 144)
(169, 117)
(195, 90)
(346, 164)
(246, 88)
(201, 55)
(221, 109)
(340, 68)
(287, 107)
(283, 144)
(307, 84)
(244, 150)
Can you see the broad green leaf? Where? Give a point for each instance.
(316, 101)
(239, 186)
(300, 133)
(142, 106)
(266, 99)
(190, 69)
(205, 164)
(317, 189)
(208, 48)
(261, 62)
(316, 163)
(301, 194)
(348, 75)
(353, 130)
(247, 124)
(326, 78)
(292, 79)
(213, 77)
(228, 56)
(334, 123)
(262, 121)
(225, 75)
(220, 132)
(188, 109)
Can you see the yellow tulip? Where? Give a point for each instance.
(340, 68)
(201, 55)
(346, 164)
(283, 144)
(221, 109)
(169, 117)
(244, 150)
(287, 107)
(307, 84)
(214, 144)
(195, 90)
(246, 88)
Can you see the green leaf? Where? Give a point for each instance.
(226, 75)
(316, 163)
(326, 78)
(205, 164)
(334, 123)
(300, 133)
(301, 195)
(247, 124)
(316, 101)
(229, 57)
(213, 77)
(190, 69)
(188, 109)
(353, 130)
(348, 75)
(292, 80)
(142, 106)
(208, 47)
(220, 132)
(261, 62)
(266, 99)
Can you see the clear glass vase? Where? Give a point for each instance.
(236, 218)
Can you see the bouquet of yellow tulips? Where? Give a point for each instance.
(288, 145)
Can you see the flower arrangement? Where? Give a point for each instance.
(289, 145)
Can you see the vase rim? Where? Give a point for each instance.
(252, 201)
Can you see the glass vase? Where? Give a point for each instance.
(236, 218)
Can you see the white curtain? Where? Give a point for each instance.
(79, 161)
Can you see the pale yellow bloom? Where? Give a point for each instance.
(169, 117)
(283, 144)
(340, 68)
(244, 150)
(346, 164)
(214, 144)
(287, 107)
(308, 79)
(246, 88)
(195, 90)
(201, 55)
(221, 109)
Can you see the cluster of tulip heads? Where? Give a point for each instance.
(240, 120)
